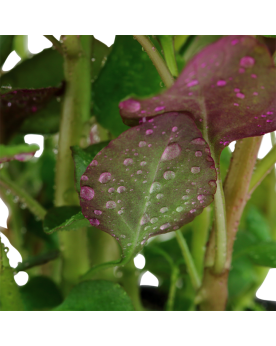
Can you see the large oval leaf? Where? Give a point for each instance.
(152, 179)
(228, 88)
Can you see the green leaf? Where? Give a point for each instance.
(5, 47)
(21, 152)
(128, 71)
(41, 71)
(40, 293)
(262, 254)
(99, 56)
(83, 157)
(228, 89)
(96, 296)
(273, 36)
(64, 219)
(152, 179)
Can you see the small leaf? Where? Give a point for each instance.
(152, 179)
(40, 293)
(5, 47)
(82, 158)
(64, 219)
(96, 296)
(128, 70)
(21, 152)
(228, 88)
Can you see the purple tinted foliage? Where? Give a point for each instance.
(228, 88)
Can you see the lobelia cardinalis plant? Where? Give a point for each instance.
(137, 161)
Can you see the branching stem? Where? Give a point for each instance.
(55, 42)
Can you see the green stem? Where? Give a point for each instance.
(188, 260)
(263, 167)
(157, 59)
(172, 291)
(75, 112)
(168, 49)
(200, 229)
(55, 42)
(24, 197)
(10, 299)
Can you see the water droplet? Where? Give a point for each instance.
(158, 109)
(145, 219)
(149, 132)
(111, 190)
(120, 212)
(130, 105)
(128, 162)
(221, 83)
(159, 196)
(153, 220)
(87, 193)
(192, 211)
(94, 222)
(121, 189)
(195, 170)
(179, 209)
(192, 83)
(174, 129)
(110, 205)
(143, 163)
(168, 175)
(129, 244)
(93, 163)
(98, 212)
(155, 187)
(142, 144)
(198, 153)
(171, 152)
(84, 178)
(212, 183)
(163, 210)
(105, 177)
(247, 61)
(201, 197)
(185, 197)
(199, 141)
(240, 95)
(165, 226)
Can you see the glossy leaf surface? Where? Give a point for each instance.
(96, 296)
(64, 219)
(128, 70)
(152, 179)
(21, 152)
(228, 88)
(6, 42)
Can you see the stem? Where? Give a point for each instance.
(189, 260)
(37, 261)
(168, 48)
(75, 112)
(157, 59)
(55, 42)
(10, 296)
(200, 228)
(24, 197)
(172, 291)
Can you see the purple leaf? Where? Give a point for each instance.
(152, 179)
(21, 152)
(228, 88)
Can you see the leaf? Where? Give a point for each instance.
(21, 152)
(228, 88)
(152, 179)
(64, 219)
(17, 105)
(40, 293)
(41, 71)
(5, 47)
(82, 158)
(99, 56)
(262, 254)
(128, 70)
(273, 36)
(96, 296)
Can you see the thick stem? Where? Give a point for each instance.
(75, 112)
(55, 42)
(172, 291)
(157, 60)
(188, 260)
(168, 48)
(213, 293)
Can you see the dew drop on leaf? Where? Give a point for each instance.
(84, 178)
(174, 129)
(153, 220)
(142, 144)
(143, 163)
(179, 209)
(139, 172)
(185, 197)
(121, 189)
(93, 163)
(199, 141)
(149, 132)
(163, 210)
(94, 222)
(111, 190)
(159, 196)
(110, 205)
(192, 211)
(247, 61)
(195, 170)
(155, 187)
(105, 177)
(98, 212)
(128, 162)
(171, 152)
(165, 226)
(87, 193)
(198, 153)
(168, 175)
